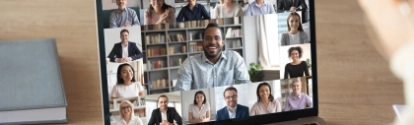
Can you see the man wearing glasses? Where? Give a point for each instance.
(214, 67)
(232, 110)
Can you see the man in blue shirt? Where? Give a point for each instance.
(123, 16)
(213, 67)
(193, 11)
(232, 110)
(259, 7)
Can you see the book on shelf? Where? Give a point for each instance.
(195, 46)
(174, 82)
(195, 36)
(159, 83)
(184, 49)
(236, 20)
(233, 32)
(197, 23)
(176, 62)
(36, 95)
(154, 39)
(156, 52)
(155, 64)
(236, 43)
(179, 37)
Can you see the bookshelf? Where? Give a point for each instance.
(166, 46)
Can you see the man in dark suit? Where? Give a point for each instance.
(125, 50)
(291, 5)
(164, 115)
(232, 110)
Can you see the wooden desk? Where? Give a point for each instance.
(355, 83)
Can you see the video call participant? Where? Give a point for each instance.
(164, 115)
(266, 103)
(123, 16)
(297, 100)
(193, 11)
(125, 50)
(227, 9)
(295, 34)
(199, 111)
(126, 84)
(232, 110)
(159, 13)
(259, 7)
(127, 114)
(214, 67)
(291, 5)
(296, 68)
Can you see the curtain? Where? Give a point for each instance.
(268, 40)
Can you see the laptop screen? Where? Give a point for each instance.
(205, 61)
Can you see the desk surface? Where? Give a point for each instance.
(355, 83)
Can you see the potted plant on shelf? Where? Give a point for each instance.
(256, 72)
(308, 62)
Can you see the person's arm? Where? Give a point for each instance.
(240, 11)
(305, 66)
(252, 110)
(111, 55)
(286, 72)
(137, 53)
(147, 18)
(180, 16)
(309, 101)
(287, 106)
(280, 6)
(241, 74)
(184, 80)
(135, 21)
(190, 118)
(171, 16)
(139, 121)
(278, 106)
(303, 5)
(152, 121)
(112, 20)
(272, 9)
(207, 116)
(178, 118)
(284, 40)
(216, 12)
(248, 12)
(218, 116)
(114, 93)
(204, 12)
(140, 88)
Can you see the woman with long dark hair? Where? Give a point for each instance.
(266, 103)
(126, 85)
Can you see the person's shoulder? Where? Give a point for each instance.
(288, 64)
(285, 33)
(222, 109)
(129, 9)
(147, 11)
(242, 106)
(131, 42)
(155, 110)
(303, 63)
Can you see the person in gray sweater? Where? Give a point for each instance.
(296, 35)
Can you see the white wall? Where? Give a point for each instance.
(250, 39)
(112, 36)
(187, 98)
(108, 5)
(284, 56)
(242, 93)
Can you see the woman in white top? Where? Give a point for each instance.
(127, 114)
(296, 35)
(199, 111)
(126, 83)
(226, 9)
(265, 101)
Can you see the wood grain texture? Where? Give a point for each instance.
(355, 83)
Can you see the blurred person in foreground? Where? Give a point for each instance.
(392, 22)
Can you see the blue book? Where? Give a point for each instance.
(31, 86)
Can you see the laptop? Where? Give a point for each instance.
(208, 62)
